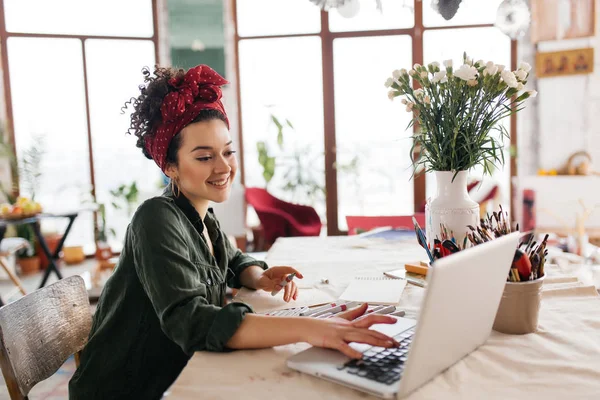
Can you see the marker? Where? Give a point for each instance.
(335, 310)
(322, 308)
(283, 283)
(380, 310)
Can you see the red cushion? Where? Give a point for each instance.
(367, 223)
(280, 218)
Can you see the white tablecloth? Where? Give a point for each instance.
(561, 360)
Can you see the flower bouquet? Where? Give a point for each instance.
(458, 113)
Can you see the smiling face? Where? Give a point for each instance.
(206, 163)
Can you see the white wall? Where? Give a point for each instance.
(565, 117)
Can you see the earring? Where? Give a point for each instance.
(175, 185)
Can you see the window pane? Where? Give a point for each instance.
(488, 44)
(283, 77)
(80, 17)
(371, 129)
(49, 110)
(117, 159)
(470, 12)
(276, 17)
(396, 14)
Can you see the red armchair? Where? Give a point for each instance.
(280, 218)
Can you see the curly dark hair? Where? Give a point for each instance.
(146, 115)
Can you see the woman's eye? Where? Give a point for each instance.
(230, 153)
(203, 158)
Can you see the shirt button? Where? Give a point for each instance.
(209, 281)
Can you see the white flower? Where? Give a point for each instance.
(525, 67)
(466, 72)
(480, 62)
(389, 82)
(520, 86)
(521, 74)
(532, 93)
(424, 74)
(434, 64)
(472, 82)
(396, 74)
(412, 72)
(448, 63)
(391, 94)
(439, 76)
(500, 67)
(468, 61)
(490, 69)
(404, 101)
(419, 93)
(426, 100)
(409, 107)
(417, 66)
(403, 71)
(509, 78)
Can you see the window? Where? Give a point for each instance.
(69, 75)
(367, 163)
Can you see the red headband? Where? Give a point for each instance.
(198, 90)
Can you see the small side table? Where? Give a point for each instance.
(35, 223)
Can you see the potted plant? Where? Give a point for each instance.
(125, 197)
(458, 113)
(28, 260)
(103, 250)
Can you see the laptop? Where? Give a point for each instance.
(462, 296)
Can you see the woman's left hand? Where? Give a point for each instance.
(271, 280)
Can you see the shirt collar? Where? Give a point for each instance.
(190, 212)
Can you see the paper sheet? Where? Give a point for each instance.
(262, 301)
(374, 290)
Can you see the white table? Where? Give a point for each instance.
(561, 359)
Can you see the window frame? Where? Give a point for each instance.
(5, 35)
(327, 38)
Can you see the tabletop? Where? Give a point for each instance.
(561, 359)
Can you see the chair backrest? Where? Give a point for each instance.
(366, 223)
(40, 331)
(261, 199)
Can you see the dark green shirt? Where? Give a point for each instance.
(163, 302)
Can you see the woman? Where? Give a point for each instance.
(164, 300)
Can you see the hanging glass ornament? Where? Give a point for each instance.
(513, 18)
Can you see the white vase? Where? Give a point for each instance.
(452, 207)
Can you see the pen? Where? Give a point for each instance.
(421, 238)
(284, 282)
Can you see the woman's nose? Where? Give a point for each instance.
(222, 165)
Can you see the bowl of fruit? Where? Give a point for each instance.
(22, 208)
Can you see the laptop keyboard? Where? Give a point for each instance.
(380, 364)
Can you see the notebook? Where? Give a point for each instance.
(374, 290)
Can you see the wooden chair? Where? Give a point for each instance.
(8, 248)
(40, 331)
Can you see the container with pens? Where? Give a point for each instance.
(519, 308)
(520, 304)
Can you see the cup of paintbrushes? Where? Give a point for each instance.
(519, 307)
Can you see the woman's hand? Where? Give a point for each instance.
(337, 332)
(271, 279)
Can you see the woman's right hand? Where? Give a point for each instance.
(337, 332)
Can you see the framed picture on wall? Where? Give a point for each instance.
(562, 19)
(568, 62)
